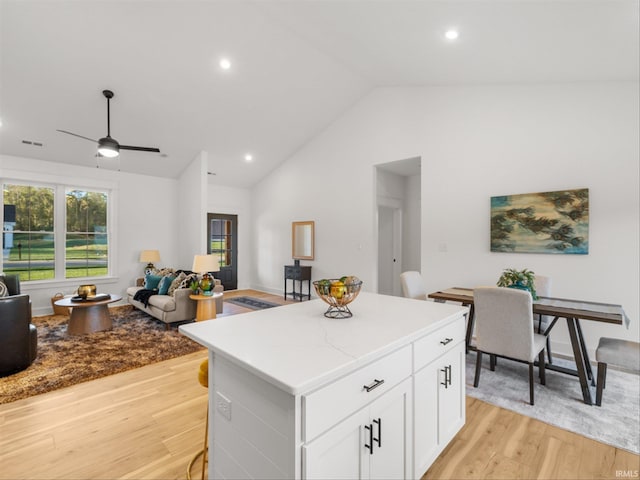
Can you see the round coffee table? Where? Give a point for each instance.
(88, 316)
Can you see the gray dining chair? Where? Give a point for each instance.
(614, 351)
(413, 285)
(504, 328)
(542, 285)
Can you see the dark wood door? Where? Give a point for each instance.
(222, 241)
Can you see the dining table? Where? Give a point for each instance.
(573, 311)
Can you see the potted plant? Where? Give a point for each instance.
(522, 279)
(194, 285)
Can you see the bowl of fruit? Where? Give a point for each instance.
(338, 293)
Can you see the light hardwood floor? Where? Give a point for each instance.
(147, 424)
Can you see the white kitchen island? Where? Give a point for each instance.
(293, 394)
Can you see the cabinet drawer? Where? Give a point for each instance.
(330, 404)
(430, 347)
(292, 273)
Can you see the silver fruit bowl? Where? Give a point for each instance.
(338, 293)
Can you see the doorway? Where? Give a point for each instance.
(222, 242)
(399, 218)
(389, 249)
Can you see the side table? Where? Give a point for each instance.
(297, 273)
(206, 307)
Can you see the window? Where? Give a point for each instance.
(27, 233)
(53, 232)
(86, 244)
(220, 240)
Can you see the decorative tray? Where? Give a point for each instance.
(95, 298)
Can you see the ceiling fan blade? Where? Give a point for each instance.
(76, 135)
(140, 149)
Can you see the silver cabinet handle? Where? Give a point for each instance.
(376, 383)
(447, 376)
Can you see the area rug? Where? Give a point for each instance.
(252, 303)
(137, 339)
(559, 402)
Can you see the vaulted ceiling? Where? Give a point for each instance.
(295, 67)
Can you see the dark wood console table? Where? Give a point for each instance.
(300, 274)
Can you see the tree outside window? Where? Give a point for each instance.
(29, 234)
(28, 244)
(86, 245)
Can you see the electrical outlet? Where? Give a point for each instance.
(223, 405)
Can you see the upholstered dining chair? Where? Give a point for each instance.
(504, 328)
(614, 351)
(413, 285)
(544, 322)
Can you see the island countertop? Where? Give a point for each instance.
(296, 348)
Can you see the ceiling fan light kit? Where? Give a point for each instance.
(107, 146)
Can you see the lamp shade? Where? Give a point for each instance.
(205, 263)
(149, 256)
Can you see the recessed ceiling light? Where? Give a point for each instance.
(225, 64)
(451, 34)
(248, 157)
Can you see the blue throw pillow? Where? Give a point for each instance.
(165, 283)
(151, 281)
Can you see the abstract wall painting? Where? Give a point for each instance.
(547, 222)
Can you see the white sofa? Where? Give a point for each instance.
(171, 308)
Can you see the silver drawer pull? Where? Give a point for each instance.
(446, 340)
(376, 383)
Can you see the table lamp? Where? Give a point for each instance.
(203, 264)
(149, 256)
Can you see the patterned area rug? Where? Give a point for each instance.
(252, 303)
(137, 339)
(559, 402)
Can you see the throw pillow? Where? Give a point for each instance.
(4, 291)
(163, 272)
(176, 283)
(151, 281)
(186, 283)
(165, 283)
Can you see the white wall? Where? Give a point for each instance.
(236, 201)
(145, 211)
(475, 142)
(191, 224)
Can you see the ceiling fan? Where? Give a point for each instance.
(107, 146)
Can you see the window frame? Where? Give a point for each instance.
(60, 186)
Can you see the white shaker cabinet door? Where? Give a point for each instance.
(370, 444)
(425, 416)
(439, 406)
(340, 452)
(451, 406)
(391, 434)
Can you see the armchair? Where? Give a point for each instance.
(18, 336)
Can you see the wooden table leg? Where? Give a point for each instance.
(90, 319)
(572, 324)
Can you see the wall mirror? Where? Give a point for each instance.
(302, 240)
